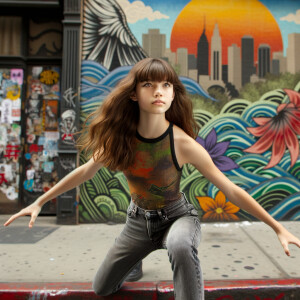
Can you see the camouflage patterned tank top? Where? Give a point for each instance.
(154, 177)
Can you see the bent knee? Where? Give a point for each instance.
(182, 251)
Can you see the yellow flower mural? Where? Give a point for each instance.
(218, 209)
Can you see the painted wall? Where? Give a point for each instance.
(238, 61)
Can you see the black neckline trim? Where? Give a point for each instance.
(155, 140)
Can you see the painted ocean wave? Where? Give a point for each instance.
(93, 70)
(286, 206)
(96, 78)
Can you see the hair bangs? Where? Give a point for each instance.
(156, 70)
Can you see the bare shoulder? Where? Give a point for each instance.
(180, 136)
(183, 143)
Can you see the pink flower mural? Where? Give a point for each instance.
(279, 132)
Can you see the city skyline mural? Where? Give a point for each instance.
(238, 61)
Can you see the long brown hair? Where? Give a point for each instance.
(110, 135)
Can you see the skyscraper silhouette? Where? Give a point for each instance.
(247, 58)
(263, 60)
(216, 55)
(202, 54)
(292, 53)
(154, 43)
(234, 65)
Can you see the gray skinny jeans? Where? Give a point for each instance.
(175, 228)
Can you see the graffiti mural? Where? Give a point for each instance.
(243, 77)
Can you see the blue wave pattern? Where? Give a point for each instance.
(97, 82)
(277, 189)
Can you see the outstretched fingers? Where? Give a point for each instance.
(32, 220)
(24, 212)
(12, 218)
(285, 244)
(286, 249)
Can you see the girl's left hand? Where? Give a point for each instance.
(286, 238)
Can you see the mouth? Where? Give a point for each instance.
(158, 102)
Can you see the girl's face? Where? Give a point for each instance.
(154, 96)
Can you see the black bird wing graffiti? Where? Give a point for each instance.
(107, 38)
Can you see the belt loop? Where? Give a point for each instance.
(133, 211)
(184, 197)
(159, 214)
(162, 214)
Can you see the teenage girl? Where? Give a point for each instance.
(146, 129)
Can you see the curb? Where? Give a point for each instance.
(272, 289)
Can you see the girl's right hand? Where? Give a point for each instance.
(32, 210)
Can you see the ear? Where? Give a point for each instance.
(133, 96)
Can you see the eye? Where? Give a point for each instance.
(167, 84)
(146, 84)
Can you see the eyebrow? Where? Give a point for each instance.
(153, 80)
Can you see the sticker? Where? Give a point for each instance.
(28, 185)
(51, 145)
(11, 193)
(16, 75)
(2, 178)
(30, 138)
(34, 107)
(7, 170)
(3, 135)
(38, 126)
(49, 77)
(68, 127)
(30, 174)
(36, 88)
(51, 123)
(16, 110)
(35, 161)
(13, 92)
(12, 151)
(36, 71)
(2, 150)
(48, 166)
(54, 136)
(16, 128)
(6, 107)
(35, 148)
(41, 140)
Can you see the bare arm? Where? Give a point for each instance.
(72, 180)
(195, 154)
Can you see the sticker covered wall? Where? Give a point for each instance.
(41, 138)
(11, 81)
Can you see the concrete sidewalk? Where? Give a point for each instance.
(231, 252)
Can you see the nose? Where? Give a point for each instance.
(158, 91)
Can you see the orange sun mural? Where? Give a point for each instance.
(235, 19)
(218, 209)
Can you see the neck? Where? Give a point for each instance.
(152, 126)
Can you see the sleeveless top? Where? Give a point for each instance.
(154, 177)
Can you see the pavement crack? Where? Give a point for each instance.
(273, 261)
